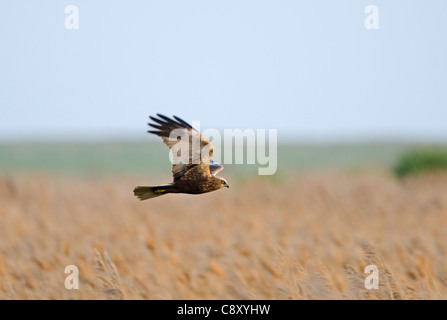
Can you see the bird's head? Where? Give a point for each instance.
(223, 183)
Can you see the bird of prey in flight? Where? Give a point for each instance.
(195, 172)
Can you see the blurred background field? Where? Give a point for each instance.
(110, 158)
(306, 233)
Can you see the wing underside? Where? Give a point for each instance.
(215, 167)
(178, 135)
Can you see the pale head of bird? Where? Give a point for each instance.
(222, 183)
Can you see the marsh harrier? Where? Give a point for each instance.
(196, 173)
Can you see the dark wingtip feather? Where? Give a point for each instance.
(156, 126)
(162, 116)
(155, 132)
(167, 119)
(182, 122)
(163, 123)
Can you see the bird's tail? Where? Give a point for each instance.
(144, 193)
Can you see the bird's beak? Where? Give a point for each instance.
(227, 185)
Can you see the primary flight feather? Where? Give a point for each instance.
(196, 174)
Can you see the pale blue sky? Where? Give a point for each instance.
(307, 68)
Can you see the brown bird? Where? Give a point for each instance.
(194, 172)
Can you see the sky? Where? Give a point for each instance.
(310, 69)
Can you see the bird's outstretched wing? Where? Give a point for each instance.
(215, 167)
(188, 147)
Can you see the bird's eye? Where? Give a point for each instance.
(223, 182)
